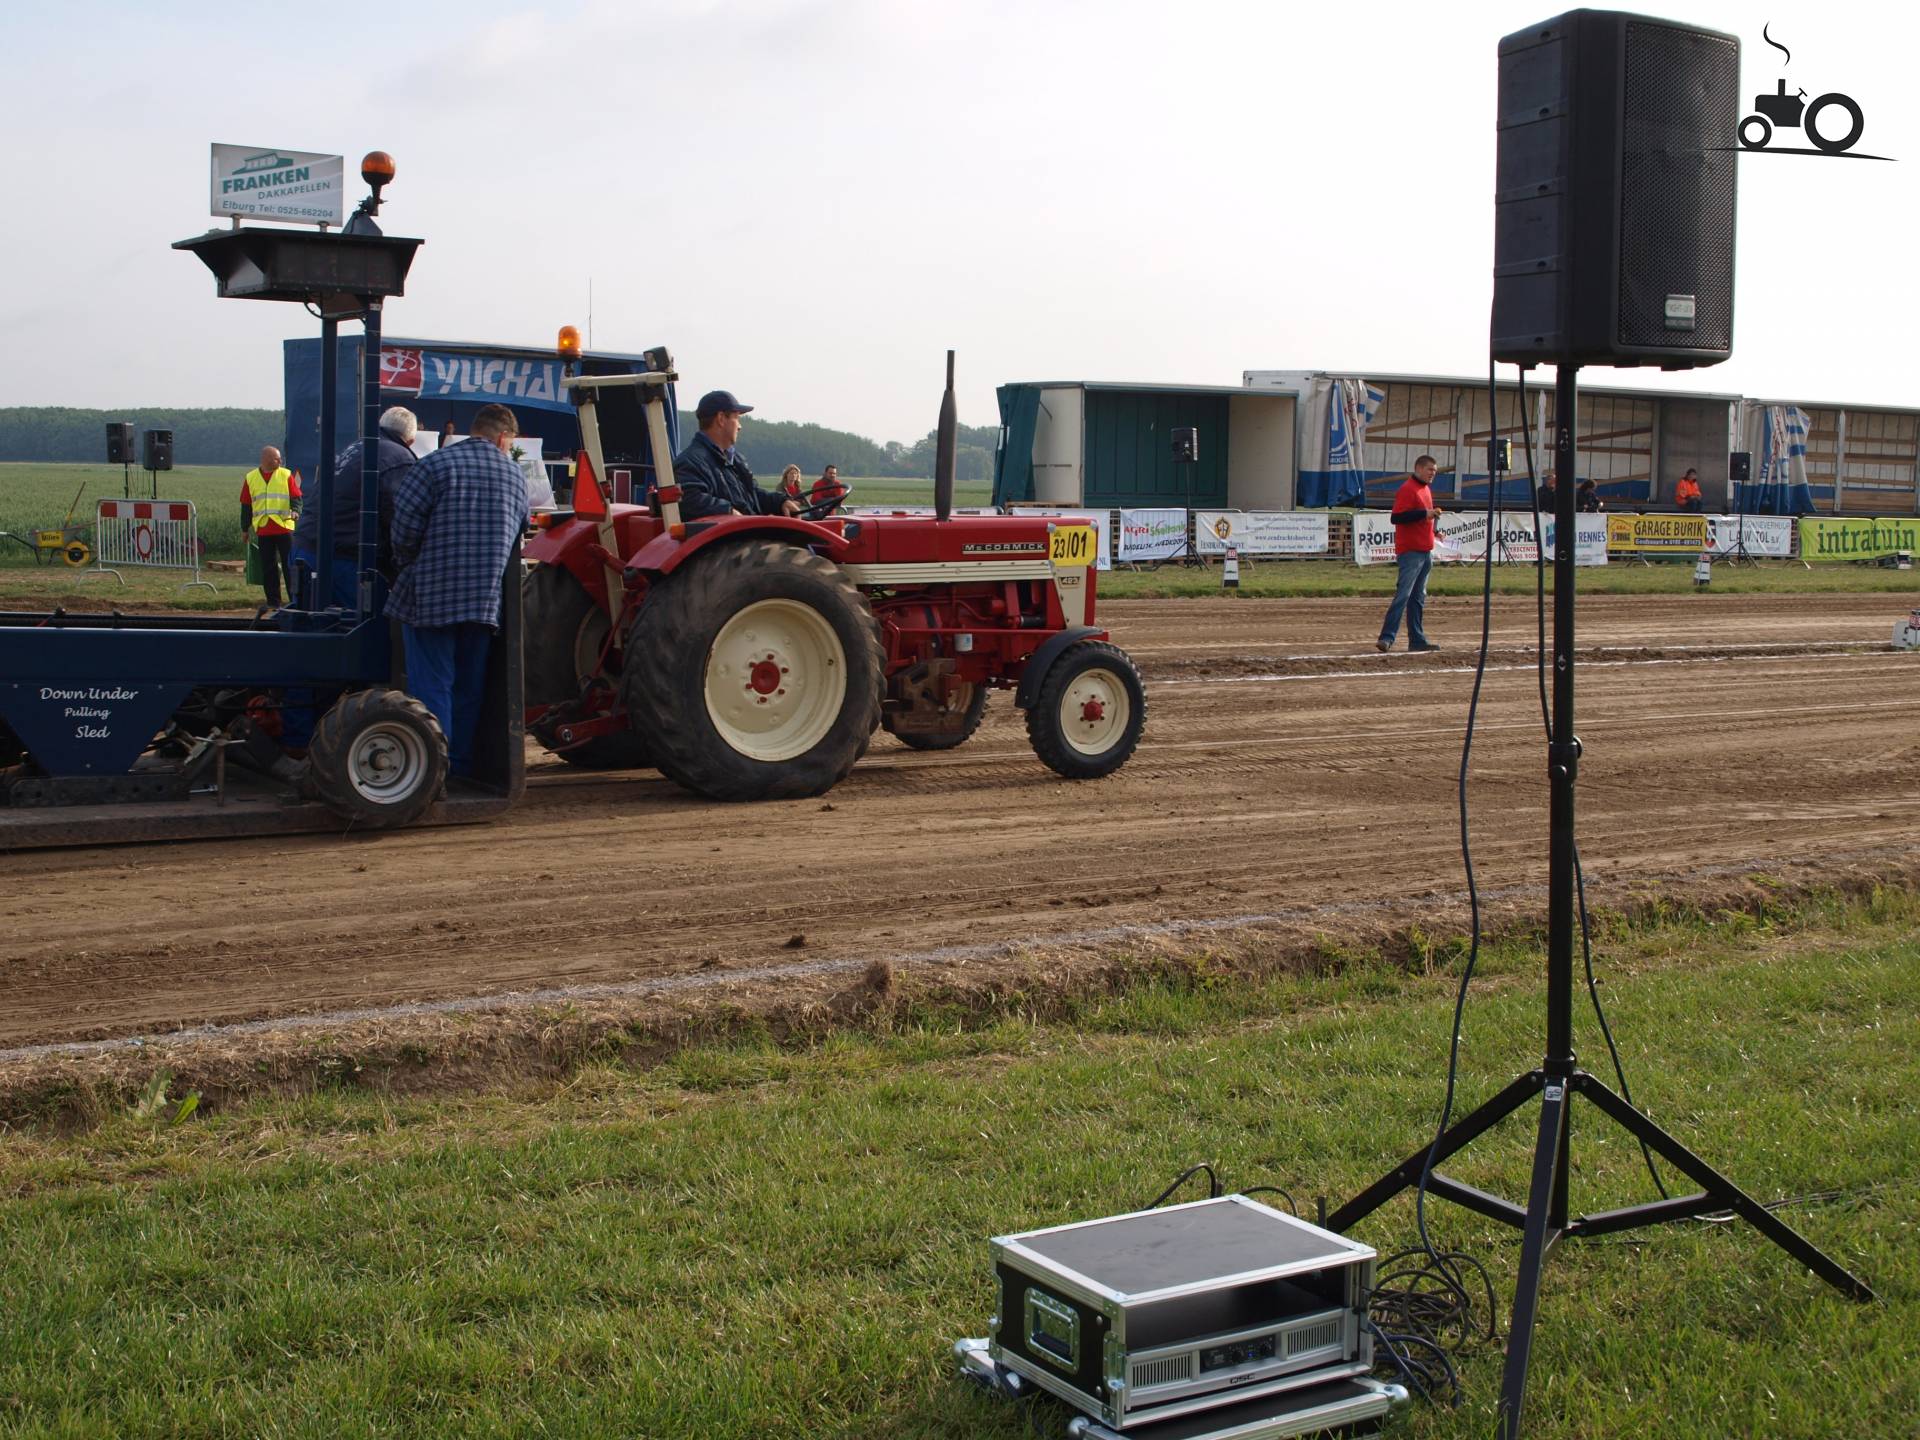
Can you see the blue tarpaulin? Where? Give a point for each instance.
(1013, 464)
(445, 380)
(1779, 485)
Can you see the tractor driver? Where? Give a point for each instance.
(713, 479)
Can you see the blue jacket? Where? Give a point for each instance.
(717, 483)
(344, 486)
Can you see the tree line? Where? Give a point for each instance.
(234, 437)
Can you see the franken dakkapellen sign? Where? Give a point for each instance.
(445, 375)
(269, 184)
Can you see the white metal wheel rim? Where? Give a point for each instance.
(1099, 687)
(588, 641)
(776, 680)
(387, 762)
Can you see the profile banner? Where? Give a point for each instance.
(1461, 538)
(475, 379)
(1657, 534)
(1259, 532)
(1864, 539)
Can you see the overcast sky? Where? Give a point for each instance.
(810, 200)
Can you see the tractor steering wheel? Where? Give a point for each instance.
(824, 506)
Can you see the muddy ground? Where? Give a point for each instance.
(1294, 789)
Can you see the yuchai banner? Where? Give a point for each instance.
(269, 184)
(1259, 532)
(1768, 536)
(1856, 539)
(440, 375)
(1157, 534)
(1462, 538)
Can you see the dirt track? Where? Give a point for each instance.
(1289, 774)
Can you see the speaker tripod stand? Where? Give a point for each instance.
(1545, 1220)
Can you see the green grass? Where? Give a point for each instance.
(750, 1241)
(37, 496)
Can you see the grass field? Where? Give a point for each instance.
(32, 496)
(750, 1242)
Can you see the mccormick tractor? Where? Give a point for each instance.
(751, 657)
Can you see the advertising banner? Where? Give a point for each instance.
(269, 184)
(1769, 537)
(1462, 538)
(1259, 532)
(1657, 534)
(478, 379)
(1822, 539)
(1156, 534)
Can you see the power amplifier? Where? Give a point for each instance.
(1136, 1318)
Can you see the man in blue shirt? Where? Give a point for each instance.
(713, 479)
(456, 516)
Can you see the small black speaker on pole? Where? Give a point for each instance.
(1614, 193)
(120, 442)
(159, 450)
(1186, 445)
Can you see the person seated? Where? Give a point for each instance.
(1587, 499)
(790, 483)
(713, 478)
(827, 488)
(1686, 491)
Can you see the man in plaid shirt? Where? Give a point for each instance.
(456, 516)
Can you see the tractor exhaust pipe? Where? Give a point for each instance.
(946, 447)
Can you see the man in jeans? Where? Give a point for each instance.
(1413, 515)
(456, 516)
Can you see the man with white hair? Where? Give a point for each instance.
(398, 426)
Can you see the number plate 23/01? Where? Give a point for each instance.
(1071, 547)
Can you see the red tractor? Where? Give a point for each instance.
(752, 657)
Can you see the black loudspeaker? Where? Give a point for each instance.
(1186, 445)
(1499, 456)
(159, 452)
(1613, 204)
(1740, 467)
(120, 442)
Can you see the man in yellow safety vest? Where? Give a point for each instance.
(269, 505)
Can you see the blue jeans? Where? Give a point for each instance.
(447, 672)
(1410, 598)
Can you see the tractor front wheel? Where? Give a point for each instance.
(377, 759)
(1090, 711)
(755, 671)
(565, 636)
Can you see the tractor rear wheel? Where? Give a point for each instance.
(756, 672)
(965, 720)
(378, 759)
(565, 634)
(1090, 711)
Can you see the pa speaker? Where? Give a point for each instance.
(120, 442)
(1186, 444)
(1740, 467)
(159, 450)
(1614, 196)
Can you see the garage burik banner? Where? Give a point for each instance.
(440, 375)
(1657, 534)
(1259, 532)
(1462, 538)
(1156, 534)
(1768, 536)
(1822, 539)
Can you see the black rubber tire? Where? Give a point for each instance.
(398, 724)
(976, 710)
(669, 650)
(555, 609)
(1044, 726)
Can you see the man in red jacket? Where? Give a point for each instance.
(1413, 515)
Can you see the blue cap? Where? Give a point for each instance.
(715, 401)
